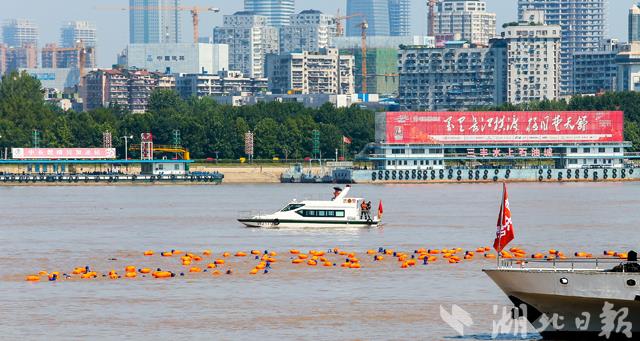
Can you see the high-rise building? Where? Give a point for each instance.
(310, 30)
(19, 33)
(278, 12)
(596, 71)
(399, 18)
(376, 14)
(384, 17)
(62, 58)
(250, 39)
(533, 57)
(467, 18)
(634, 23)
(454, 77)
(582, 24)
(303, 72)
(74, 32)
(154, 21)
(21, 57)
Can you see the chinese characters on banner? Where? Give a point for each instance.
(509, 152)
(63, 153)
(501, 127)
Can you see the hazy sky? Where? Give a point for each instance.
(113, 25)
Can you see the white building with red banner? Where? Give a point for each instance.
(484, 144)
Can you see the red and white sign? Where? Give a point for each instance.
(63, 153)
(504, 127)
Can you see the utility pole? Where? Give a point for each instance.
(315, 139)
(126, 145)
(248, 145)
(36, 138)
(177, 141)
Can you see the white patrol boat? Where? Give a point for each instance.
(341, 211)
(584, 299)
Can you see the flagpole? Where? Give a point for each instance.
(501, 223)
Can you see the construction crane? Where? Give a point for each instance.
(363, 27)
(340, 19)
(194, 10)
(181, 153)
(432, 17)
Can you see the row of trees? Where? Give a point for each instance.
(206, 127)
(281, 129)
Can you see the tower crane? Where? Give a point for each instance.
(363, 27)
(340, 19)
(194, 10)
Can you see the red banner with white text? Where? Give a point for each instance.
(504, 127)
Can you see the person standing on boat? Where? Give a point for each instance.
(369, 210)
(363, 210)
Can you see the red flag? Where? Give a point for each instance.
(346, 140)
(505, 232)
(380, 211)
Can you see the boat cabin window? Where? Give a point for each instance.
(292, 207)
(321, 213)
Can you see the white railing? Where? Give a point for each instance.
(560, 264)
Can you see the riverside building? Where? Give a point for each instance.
(437, 140)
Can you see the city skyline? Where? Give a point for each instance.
(113, 25)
